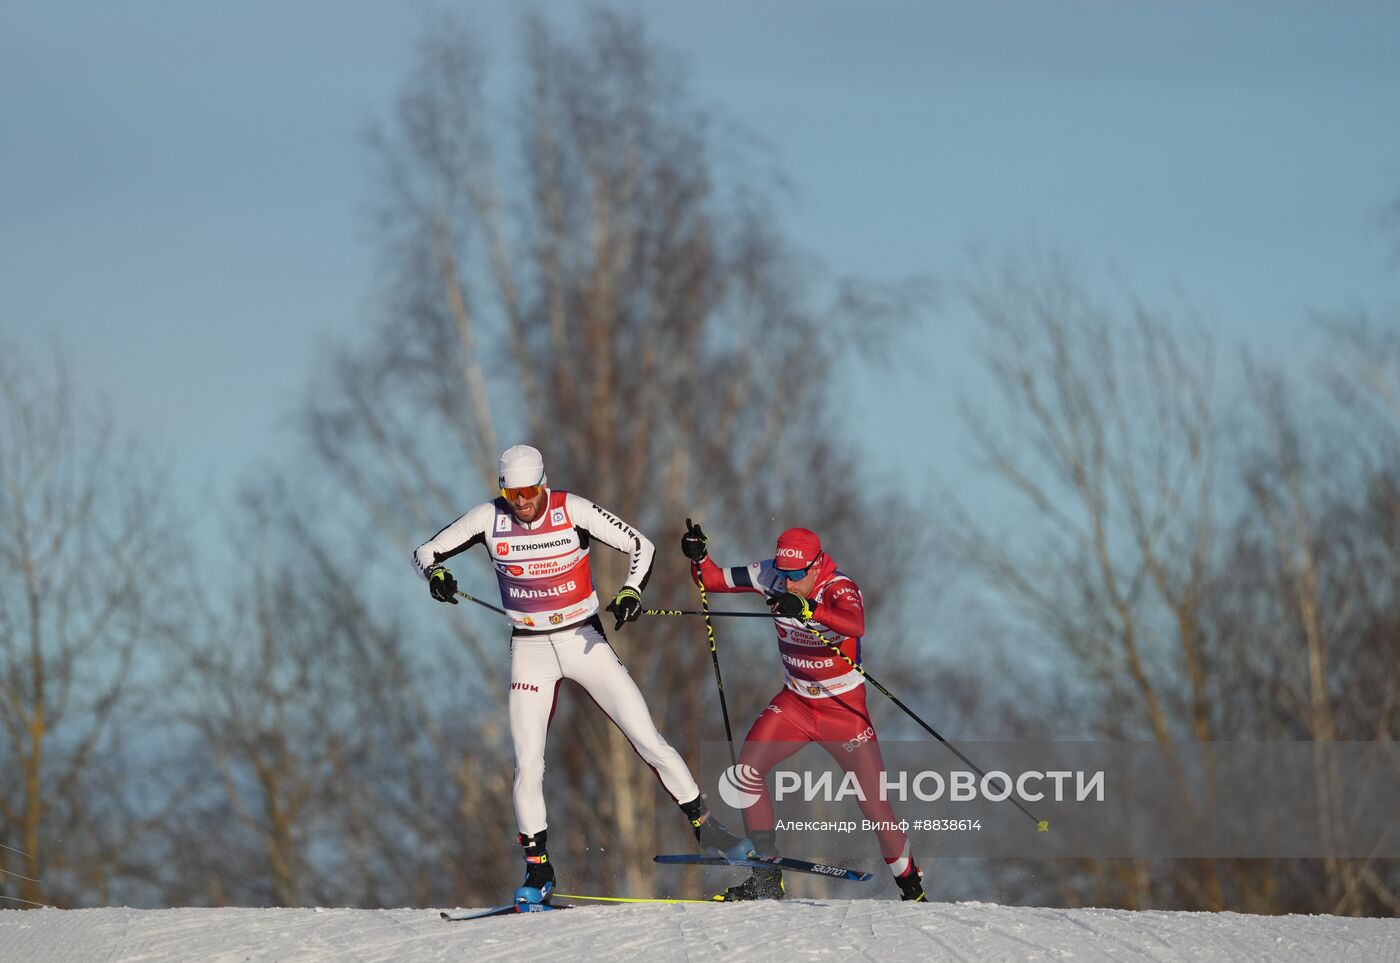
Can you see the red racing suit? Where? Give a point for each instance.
(824, 697)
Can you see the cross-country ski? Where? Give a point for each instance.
(510, 909)
(768, 862)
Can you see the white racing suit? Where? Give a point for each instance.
(547, 592)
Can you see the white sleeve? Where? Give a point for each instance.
(765, 578)
(461, 535)
(611, 530)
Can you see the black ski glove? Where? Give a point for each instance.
(694, 543)
(441, 585)
(792, 605)
(626, 605)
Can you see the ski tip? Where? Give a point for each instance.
(510, 909)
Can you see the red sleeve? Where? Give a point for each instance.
(716, 579)
(842, 610)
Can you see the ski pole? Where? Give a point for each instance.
(714, 657)
(631, 899)
(709, 615)
(735, 615)
(485, 605)
(1041, 825)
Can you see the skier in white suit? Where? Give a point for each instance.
(538, 539)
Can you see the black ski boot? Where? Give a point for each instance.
(911, 885)
(712, 834)
(762, 883)
(539, 871)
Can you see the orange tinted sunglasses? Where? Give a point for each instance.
(528, 492)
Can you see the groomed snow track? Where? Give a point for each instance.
(794, 930)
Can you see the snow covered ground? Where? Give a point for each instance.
(795, 930)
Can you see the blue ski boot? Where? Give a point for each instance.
(539, 871)
(711, 833)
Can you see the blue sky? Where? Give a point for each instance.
(182, 206)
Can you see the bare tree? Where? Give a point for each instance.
(317, 737)
(587, 275)
(1103, 433)
(87, 564)
(1105, 437)
(1157, 619)
(1365, 380)
(1319, 604)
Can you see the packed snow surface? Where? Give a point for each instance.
(789, 931)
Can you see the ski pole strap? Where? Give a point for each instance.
(1041, 825)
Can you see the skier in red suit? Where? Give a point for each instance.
(824, 697)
